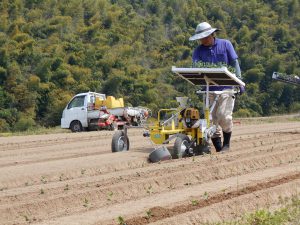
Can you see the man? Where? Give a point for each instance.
(214, 50)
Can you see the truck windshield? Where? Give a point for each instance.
(77, 102)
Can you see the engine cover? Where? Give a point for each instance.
(190, 117)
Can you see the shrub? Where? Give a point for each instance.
(24, 124)
(4, 127)
(242, 113)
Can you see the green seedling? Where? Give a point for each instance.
(149, 189)
(195, 202)
(223, 190)
(171, 186)
(83, 171)
(26, 218)
(148, 213)
(109, 195)
(205, 196)
(43, 180)
(42, 191)
(66, 187)
(61, 177)
(121, 220)
(86, 202)
(213, 65)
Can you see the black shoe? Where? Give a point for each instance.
(225, 148)
(217, 143)
(226, 142)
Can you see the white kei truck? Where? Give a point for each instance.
(95, 111)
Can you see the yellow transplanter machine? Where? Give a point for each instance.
(184, 124)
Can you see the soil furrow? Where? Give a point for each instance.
(159, 213)
(231, 209)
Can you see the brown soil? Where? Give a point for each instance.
(73, 178)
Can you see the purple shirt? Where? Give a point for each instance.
(221, 51)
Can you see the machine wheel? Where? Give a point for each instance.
(118, 143)
(160, 154)
(180, 146)
(76, 126)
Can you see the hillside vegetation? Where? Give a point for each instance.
(51, 50)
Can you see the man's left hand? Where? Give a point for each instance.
(242, 89)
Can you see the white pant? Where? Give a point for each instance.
(222, 112)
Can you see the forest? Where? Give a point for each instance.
(53, 49)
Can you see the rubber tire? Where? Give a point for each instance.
(76, 126)
(181, 141)
(118, 142)
(160, 154)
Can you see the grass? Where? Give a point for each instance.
(270, 119)
(36, 131)
(288, 214)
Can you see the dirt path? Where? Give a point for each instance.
(75, 179)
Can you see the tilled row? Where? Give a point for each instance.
(4, 147)
(33, 174)
(15, 143)
(53, 153)
(131, 164)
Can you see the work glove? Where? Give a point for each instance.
(242, 89)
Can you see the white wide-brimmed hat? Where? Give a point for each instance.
(203, 30)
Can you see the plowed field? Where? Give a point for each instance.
(73, 178)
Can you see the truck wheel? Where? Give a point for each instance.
(118, 143)
(180, 146)
(76, 126)
(160, 154)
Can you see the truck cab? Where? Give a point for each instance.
(81, 111)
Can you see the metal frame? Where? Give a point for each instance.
(197, 76)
